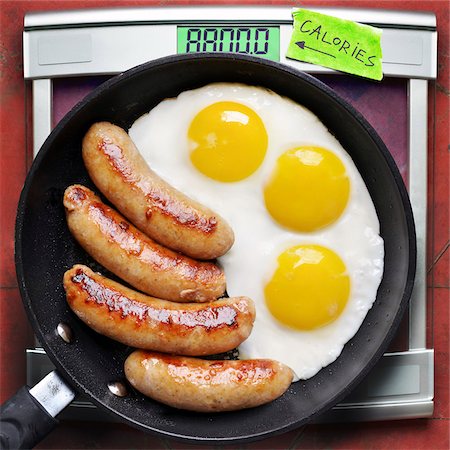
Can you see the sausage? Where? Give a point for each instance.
(150, 323)
(207, 386)
(120, 247)
(152, 205)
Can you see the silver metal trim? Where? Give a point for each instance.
(260, 13)
(117, 388)
(42, 112)
(434, 56)
(36, 351)
(53, 393)
(65, 332)
(372, 413)
(418, 133)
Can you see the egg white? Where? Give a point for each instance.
(161, 137)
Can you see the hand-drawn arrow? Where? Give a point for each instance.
(302, 45)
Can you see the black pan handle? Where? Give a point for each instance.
(29, 416)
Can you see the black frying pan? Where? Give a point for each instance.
(45, 248)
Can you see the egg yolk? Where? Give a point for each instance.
(228, 141)
(308, 189)
(309, 289)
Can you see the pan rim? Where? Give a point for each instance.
(175, 59)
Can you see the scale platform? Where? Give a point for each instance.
(69, 53)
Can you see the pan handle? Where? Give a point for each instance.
(29, 416)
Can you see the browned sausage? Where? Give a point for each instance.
(146, 322)
(207, 386)
(156, 208)
(120, 247)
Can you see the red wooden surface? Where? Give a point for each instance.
(16, 335)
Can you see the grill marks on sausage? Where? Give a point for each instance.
(116, 158)
(249, 372)
(208, 317)
(102, 231)
(116, 231)
(120, 232)
(182, 213)
(157, 197)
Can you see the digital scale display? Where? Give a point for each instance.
(260, 41)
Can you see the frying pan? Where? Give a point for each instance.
(45, 249)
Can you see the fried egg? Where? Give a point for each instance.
(307, 246)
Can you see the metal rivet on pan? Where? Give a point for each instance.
(117, 388)
(64, 332)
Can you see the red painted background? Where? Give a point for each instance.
(16, 334)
